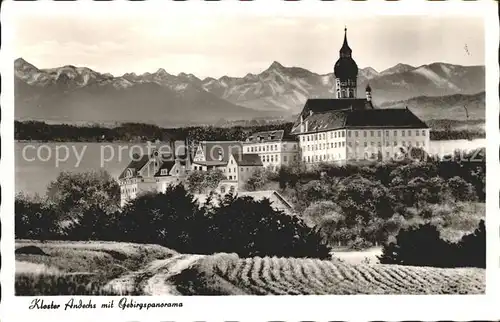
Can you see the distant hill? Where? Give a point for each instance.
(80, 95)
(288, 88)
(455, 107)
(73, 94)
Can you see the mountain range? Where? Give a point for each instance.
(80, 94)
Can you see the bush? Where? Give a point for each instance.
(35, 219)
(253, 228)
(203, 181)
(461, 190)
(258, 179)
(165, 219)
(74, 193)
(422, 246)
(322, 212)
(362, 200)
(418, 246)
(472, 248)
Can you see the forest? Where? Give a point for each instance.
(141, 132)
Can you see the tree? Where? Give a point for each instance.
(254, 228)
(418, 246)
(316, 190)
(213, 178)
(74, 193)
(362, 199)
(195, 181)
(257, 180)
(165, 218)
(472, 248)
(201, 181)
(461, 190)
(289, 176)
(93, 224)
(322, 212)
(35, 219)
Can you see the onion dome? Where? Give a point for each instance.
(345, 67)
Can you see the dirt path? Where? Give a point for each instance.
(154, 279)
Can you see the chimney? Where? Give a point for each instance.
(307, 125)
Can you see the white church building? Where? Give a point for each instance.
(348, 128)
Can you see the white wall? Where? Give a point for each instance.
(341, 145)
(329, 146)
(386, 141)
(274, 154)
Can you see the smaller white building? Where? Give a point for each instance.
(273, 147)
(211, 155)
(241, 167)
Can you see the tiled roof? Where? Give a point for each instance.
(268, 136)
(248, 159)
(324, 121)
(177, 149)
(136, 165)
(330, 114)
(317, 105)
(212, 149)
(391, 118)
(165, 165)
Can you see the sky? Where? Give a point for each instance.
(237, 45)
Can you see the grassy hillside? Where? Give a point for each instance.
(53, 268)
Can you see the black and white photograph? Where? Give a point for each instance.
(248, 154)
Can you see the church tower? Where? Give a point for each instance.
(346, 72)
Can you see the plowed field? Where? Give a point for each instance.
(228, 274)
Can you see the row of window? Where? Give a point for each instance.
(234, 170)
(275, 158)
(324, 146)
(378, 133)
(388, 155)
(321, 157)
(323, 136)
(371, 133)
(388, 143)
(267, 148)
(337, 157)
